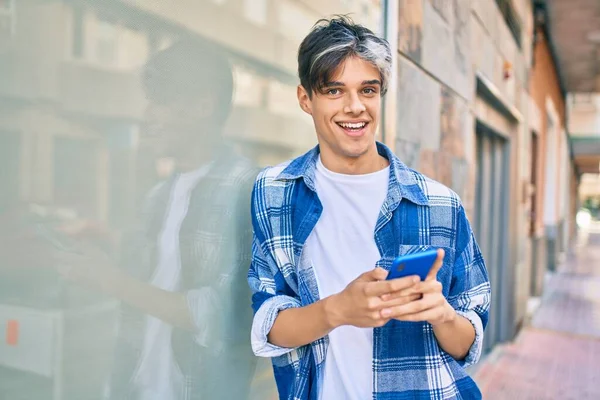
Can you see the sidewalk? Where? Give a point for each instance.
(558, 355)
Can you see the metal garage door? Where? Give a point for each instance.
(491, 222)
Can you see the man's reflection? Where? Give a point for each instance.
(184, 328)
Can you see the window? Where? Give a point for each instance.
(256, 11)
(78, 36)
(106, 43)
(10, 158)
(294, 21)
(7, 19)
(249, 87)
(511, 19)
(6, 6)
(74, 175)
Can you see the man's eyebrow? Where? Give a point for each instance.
(334, 84)
(341, 84)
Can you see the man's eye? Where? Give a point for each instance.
(369, 91)
(333, 92)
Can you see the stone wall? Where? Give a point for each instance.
(443, 46)
(436, 86)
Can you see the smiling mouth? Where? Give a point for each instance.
(352, 126)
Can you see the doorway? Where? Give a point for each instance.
(491, 224)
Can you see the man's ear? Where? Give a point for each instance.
(304, 100)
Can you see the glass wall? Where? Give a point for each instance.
(131, 132)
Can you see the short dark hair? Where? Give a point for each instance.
(331, 42)
(188, 70)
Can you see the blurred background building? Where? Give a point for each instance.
(495, 98)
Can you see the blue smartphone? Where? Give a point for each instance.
(413, 264)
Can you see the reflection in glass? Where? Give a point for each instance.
(130, 135)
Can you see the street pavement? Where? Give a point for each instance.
(557, 355)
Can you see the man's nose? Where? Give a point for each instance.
(354, 104)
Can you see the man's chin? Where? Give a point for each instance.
(358, 149)
(165, 166)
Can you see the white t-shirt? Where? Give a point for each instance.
(342, 247)
(159, 377)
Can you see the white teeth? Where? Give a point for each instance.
(359, 125)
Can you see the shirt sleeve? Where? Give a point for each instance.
(271, 294)
(218, 302)
(470, 287)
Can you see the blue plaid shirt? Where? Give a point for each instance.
(417, 214)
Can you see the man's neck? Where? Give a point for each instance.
(184, 166)
(365, 164)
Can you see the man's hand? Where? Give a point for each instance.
(90, 267)
(431, 305)
(92, 232)
(95, 270)
(360, 303)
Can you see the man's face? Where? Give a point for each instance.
(346, 111)
(176, 127)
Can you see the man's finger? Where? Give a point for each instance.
(431, 286)
(436, 265)
(400, 300)
(413, 290)
(426, 315)
(414, 307)
(424, 287)
(402, 293)
(374, 275)
(391, 286)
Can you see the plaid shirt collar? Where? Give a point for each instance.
(402, 184)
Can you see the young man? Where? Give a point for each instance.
(327, 227)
